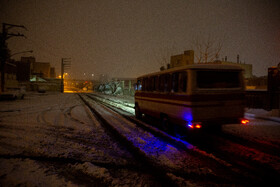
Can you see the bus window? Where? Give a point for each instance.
(175, 82)
(167, 83)
(149, 85)
(156, 83)
(218, 79)
(152, 83)
(145, 84)
(139, 85)
(182, 82)
(161, 83)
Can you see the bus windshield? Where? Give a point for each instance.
(218, 79)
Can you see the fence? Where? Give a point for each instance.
(262, 99)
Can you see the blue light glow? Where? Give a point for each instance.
(187, 116)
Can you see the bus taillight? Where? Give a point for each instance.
(197, 126)
(194, 125)
(244, 121)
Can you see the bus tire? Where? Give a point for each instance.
(138, 113)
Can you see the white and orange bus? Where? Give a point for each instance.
(192, 95)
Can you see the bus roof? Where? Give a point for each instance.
(197, 67)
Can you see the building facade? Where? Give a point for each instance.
(37, 69)
(186, 58)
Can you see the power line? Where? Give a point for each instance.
(5, 35)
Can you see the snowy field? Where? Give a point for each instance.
(46, 131)
(53, 140)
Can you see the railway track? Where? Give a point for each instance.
(166, 160)
(235, 163)
(143, 162)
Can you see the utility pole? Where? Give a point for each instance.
(4, 49)
(65, 63)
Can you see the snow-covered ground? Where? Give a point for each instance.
(43, 134)
(53, 140)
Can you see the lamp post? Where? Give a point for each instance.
(92, 80)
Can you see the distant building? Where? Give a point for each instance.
(186, 58)
(41, 69)
(247, 67)
(23, 73)
(52, 73)
(10, 76)
(37, 69)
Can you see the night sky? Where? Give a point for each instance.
(124, 38)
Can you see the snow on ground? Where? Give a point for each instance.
(43, 128)
(55, 128)
(264, 127)
(26, 172)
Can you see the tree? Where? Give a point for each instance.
(206, 50)
(162, 55)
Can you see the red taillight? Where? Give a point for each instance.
(194, 125)
(244, 121)
(197, 126)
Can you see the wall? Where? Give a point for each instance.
(182, 59)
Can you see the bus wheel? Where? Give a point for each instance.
(138, 113)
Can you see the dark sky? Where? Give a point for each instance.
(124, 38)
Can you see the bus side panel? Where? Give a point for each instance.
(176, 112)
(219, 112)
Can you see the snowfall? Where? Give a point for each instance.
(52, 139)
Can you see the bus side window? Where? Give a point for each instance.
(182, 82)
(146, 82)
(156, 88)
(167, 83)
(152, 83)
(161, 83)
(175, 82)
(139, 85)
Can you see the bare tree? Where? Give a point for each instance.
(162, 55)
(206, 50)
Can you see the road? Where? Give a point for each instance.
(77, 140)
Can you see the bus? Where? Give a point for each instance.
(192, 96)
